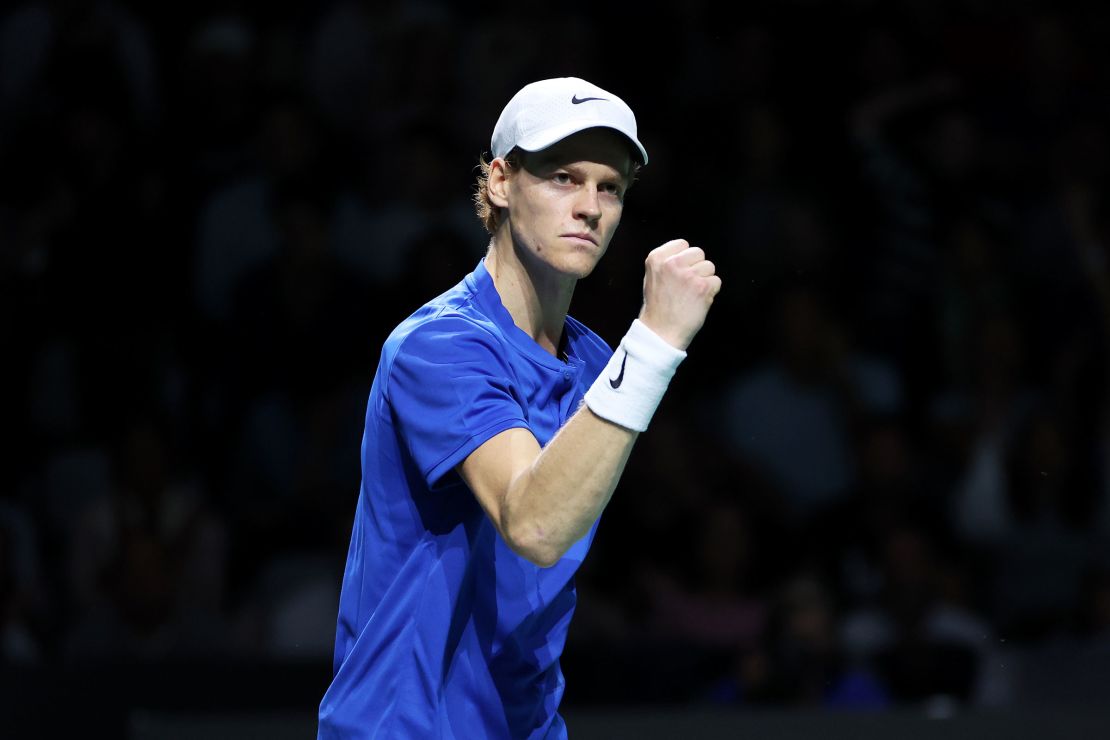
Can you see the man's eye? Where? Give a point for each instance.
(561, 177)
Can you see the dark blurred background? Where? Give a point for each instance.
(879, 483)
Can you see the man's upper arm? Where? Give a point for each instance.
(490, 470)
(450, 389)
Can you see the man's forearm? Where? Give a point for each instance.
(553, 502)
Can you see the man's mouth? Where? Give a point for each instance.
(584, 236)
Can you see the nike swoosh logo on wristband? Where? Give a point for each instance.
(616, 382)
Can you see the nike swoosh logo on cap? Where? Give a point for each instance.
(575, 100)
(616, 382)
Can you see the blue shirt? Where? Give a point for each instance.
(443, 631)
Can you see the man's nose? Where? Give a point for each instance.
(588, 206)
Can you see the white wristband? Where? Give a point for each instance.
(630, 388)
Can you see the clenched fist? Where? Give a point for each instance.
(679, 287)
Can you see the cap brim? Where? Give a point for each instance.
(543, 139)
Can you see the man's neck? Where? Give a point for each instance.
(537, 299)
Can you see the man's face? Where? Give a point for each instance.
(565, 202)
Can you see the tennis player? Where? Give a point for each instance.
(496, 430)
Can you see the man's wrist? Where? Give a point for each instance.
(633, 383)
(674, 342)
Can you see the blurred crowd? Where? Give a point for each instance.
(884, 468)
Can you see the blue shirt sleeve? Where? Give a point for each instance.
(451, 387)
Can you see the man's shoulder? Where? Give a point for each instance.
(445, 325)
(440, 323)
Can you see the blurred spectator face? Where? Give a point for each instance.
(435, 261)
(7, 574)
(750, 60)
(1052, 49)
(1080, 153)
(885, 457)
(763, 139)
(289, 143)
(723, 547)
(1048, 453)
(1101, 605)
(808, 615)
(95, 142)
(218, 73)
(803, 233)
(805, 333)
(304, 231)
(144, 459)
(911, 573)
(1043, 479)
(420, 168)
(952, 145)
(801, 325)
(145, 586)
(1000, 350)
(908, 559)
(880, 60)
(427, 45)
(972, 251)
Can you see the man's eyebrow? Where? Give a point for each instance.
(624, 177)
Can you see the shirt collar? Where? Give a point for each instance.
(488, 300)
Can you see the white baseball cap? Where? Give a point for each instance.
(545, 112)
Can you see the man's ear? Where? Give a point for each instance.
(498, 183)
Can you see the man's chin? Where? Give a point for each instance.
(581, 264)
(580, 270)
